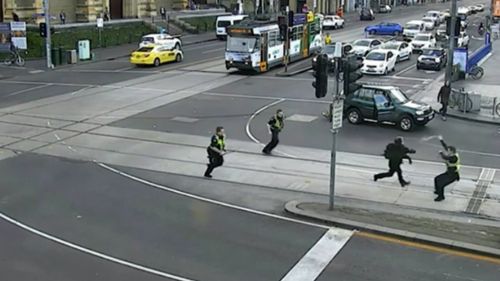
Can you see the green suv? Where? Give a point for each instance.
(386, 104)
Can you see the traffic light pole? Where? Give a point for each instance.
(451, 46)
(333, 154)
(287, 39)
(47, 39)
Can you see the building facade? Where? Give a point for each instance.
(89, 10)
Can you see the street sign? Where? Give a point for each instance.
(337, 110)
(100, 22)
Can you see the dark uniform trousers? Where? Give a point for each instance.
(214, 160)
(274, 141)
(394, 167)
(444, 179)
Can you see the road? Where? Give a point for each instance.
(76, 220)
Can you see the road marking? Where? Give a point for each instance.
(213, 51)
(302, 118)
(204, 199)
(410, 78)
(486, 177)
(27, 90)
(184, 119)
(265, 97)
(319, 256)
(36, 71)
(404, 70)
(92, 252)
(427, 247)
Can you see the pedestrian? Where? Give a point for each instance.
(106, 14)
(163, 13)
(396, 152)
(443, 98)
(62, 17)
(275, 125)
(216, 151)
(328, 39)
(452, 161)
(15, 17)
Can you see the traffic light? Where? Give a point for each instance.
(283, 31)
(351, 66)
(43, 29)
(458, 26)
(321, 76)
(290, 18)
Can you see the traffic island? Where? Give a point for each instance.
(468, 233)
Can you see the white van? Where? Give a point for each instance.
(413, 28)
(225, 21)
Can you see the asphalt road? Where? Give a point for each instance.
(86, 205)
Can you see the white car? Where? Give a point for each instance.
(423, 40)
(429, 23)
(463, 11)
(463, 39)
(379, 62)
(413, 28)
(160, 39)
(361, 47)
(444, 15)
(436, 15)
(333, 22)
(401, 50)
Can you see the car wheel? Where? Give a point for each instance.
(157, 62)
(354, 116)
(406, 123)
(335, 26)
(342, 26)
(178, 58)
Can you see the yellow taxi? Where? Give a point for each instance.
(156, 55)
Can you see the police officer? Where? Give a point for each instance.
(216, 151)
(452, 160)
(275, 126)
(328, 39)
(396, 152)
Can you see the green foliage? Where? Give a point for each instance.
(67, 38)
(202, 24)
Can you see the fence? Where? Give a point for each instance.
(479, 54)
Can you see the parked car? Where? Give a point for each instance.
(436, 15)
(472, 10)
(422, 41)
(160, 39)
(444, 15)
(384, 9)
(362, 47)
(379, 62)
(401, 50)
(384, 28)
(366, 14)
(156, 55)
(329, 50)
(386, 104)
(333, 22)
(432, 58)
(479, 7)
(429, 23)
(463, 12)
(413, 28)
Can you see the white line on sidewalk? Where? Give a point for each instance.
(92, 252)
(319, 256)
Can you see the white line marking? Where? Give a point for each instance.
(28, 90)
(264, 97)
(213, 51)
(404, 70)
(319, 256)
(91, 252)
(410, 78)
(193, 196)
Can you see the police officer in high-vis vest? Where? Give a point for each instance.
(216, 151)
(452, 160)
(275, 126)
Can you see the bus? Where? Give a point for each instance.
(257, 45)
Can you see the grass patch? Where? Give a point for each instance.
(201, 24)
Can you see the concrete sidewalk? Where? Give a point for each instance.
(488, 87)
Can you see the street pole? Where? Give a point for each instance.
(47, 39)
(451, 46)
(287, 39)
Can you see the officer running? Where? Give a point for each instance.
(396, 152)
(216, 151)
(452, 160)
(275, 125)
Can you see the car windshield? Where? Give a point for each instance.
(431, 52)
(398, 96)
(422, 38)
(241, 44)
(223, 23)
(364, 43)
(390, 46)
(412, 26)
(329, 49)
(145, 49)
(329, 18)
(375, 56)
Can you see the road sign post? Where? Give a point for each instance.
(48, 38)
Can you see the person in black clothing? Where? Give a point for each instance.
(163, 13)
(452, 160)
(275, 125)
(216, 151)
(15, 17)
(396, 152)
(443, 98)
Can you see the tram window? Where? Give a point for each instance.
(273, 39)
(297, 32)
